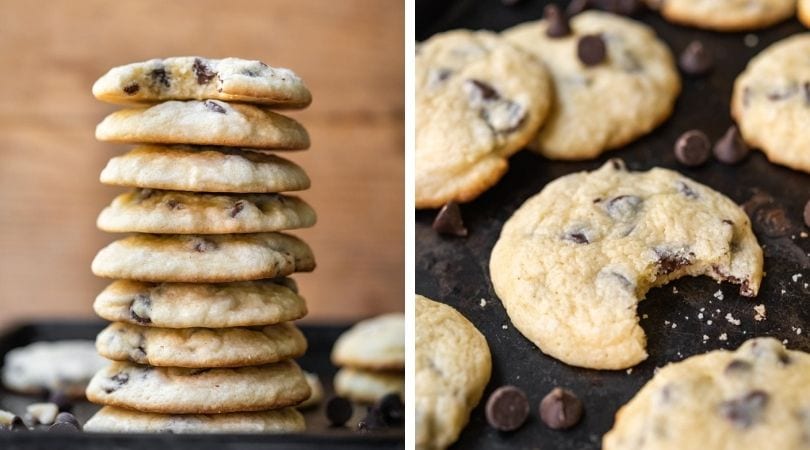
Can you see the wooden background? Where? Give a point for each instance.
(350, 53)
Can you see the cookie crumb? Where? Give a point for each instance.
(674, 325)
(784, 341)
(645, 316)
(798, 331)
(803, 234)
(796, 277)
(504, 327)
(629, 371)
(700, 316)
(783, 292)
(732, 320)
(751, 40)
(723, 337)
(759, 313)
(709, 322)
(674, 290)
(719, 294)
(483, 303)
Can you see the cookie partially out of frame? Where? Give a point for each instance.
(208, 122)
(725, 15)
(197, 78)
(377, 343)
(574, 261)
(192, 258)
(172, 390)
(41, 367)
(804, 12)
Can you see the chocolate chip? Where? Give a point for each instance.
(392, 409)
(557, 21)
(482, 90)
(338, 411)
(507, 408)
(695, 59)
(118, 380)
(737, 366)
(591, 49)
(203, 245)
(684, 189)
(577, 6)
(17, 424)
(132, 89)
(139, 309)
(731, 149)
(237, 208)
(623, 207)
(63, 427)
(560, 409)
(617, 164)
(807, 214)
(214, 106)
(67, 418)
(577, 237)
(773, 221)
(372, 421)
(203, 71)
(449, 220)
(61, 400)
(693, 148)
(782, 94)
(671, 260)
(745, 411)
(173, 204)
(161, 77)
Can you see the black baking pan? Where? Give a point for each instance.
(318, 435)
(456, 270)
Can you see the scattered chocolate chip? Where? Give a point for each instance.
(372, 421)
(560, 409)
(139, 309)
(392, 409)
(557, 21)
(773, 221)
(731, 149)
(507, 408)
(338, 411)
(807, 214)
(684, 189)
(591, 49)
(737, 366)
(693, 148)
(745, 411)
(203, 245)
(63, 427)
(695, 59)
(449, 220)
(623, 7)
(623, 207)
(482, 90)
(577, 237)
(203, 71)
(214, 106)
(131, 89)
(61, 400)
(161, 77)
(17, 424)
(237, 208)
(669, 261)
(68, 418)
(577, 6)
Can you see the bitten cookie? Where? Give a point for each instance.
(204, 169)
(118, 420)
(208, 122)
(61, 366)
(608, 104)
(771, 102)
(478, 101)
(171, 390)
(573, 262)
(197, 78)
(453, 365)
(175, 212)
(203, 258)
(373, 344)
(184, 305)
(755, 397)
(365, 386)
(201, 347)
(725, 15)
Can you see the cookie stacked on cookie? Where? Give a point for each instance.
(201, 337)
(372, 359)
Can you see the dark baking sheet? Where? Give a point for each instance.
(318, 435)
(455, 270)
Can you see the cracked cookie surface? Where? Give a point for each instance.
(572, 263)
(478, 100)
(725, 15)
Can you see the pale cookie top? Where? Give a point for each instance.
(110, 419)
(61, 366)
(172, 390)
(374, 344)
(725, 15)
(213, 258)
(608, 105)
(209, 305)
(771, 102)
(197, 78)
(175, 212)
(208, 122)
(755, 397)
(804, 12)
(478, 101)
(453, 365)
(365, 386)
(204, 169)
(201, 347)
(573, 262)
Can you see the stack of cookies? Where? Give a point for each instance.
(201, 337)
(371, 355)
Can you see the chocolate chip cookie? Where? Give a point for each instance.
(725, 15)
(373, 344)
(367, 386)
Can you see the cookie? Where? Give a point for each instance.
(804, 12)
(208, 122)
(117, 420)
(771, 102)
(755, 397)
(176, 212)
(453, 365)
(365, 386)
(60, 366)
(204, 169)
(201, 347)
(172, 390)
(183, 305)
(478, 101)
(606, 105)
(203, 258)
(197, 78)
(725, 15)
(373, 344)
(573, 262)
(316, 389)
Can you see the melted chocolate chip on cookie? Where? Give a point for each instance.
(237, 208)
(202, 71)
(745, 411)
(160, 77)
(203, 245)
(214, 106)
(139, 309)
(591, 50)
(131, 89)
